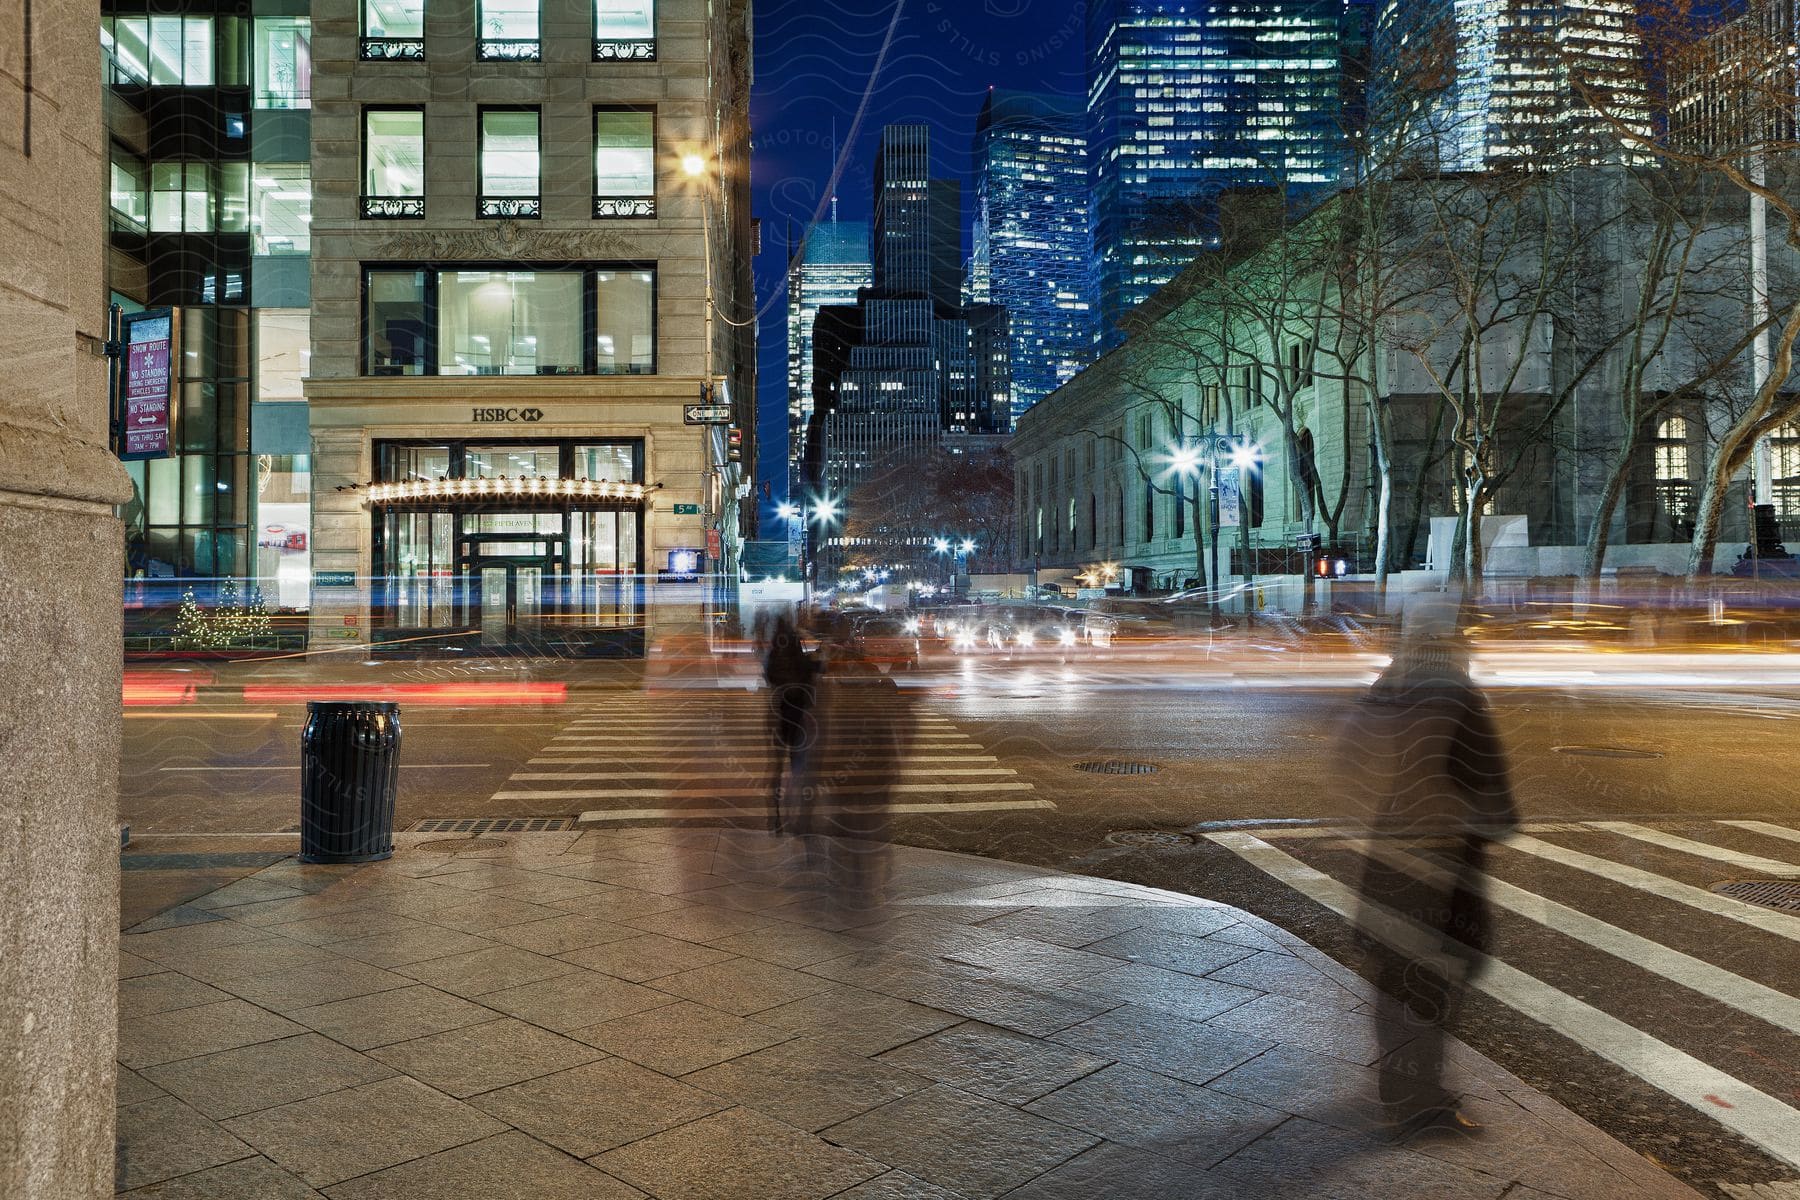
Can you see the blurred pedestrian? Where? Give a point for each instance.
(1435, 791)
(792, 678)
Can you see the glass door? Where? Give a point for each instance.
(512, 600)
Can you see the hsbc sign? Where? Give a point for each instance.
(506, 415)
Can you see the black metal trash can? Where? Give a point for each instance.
(349, 768)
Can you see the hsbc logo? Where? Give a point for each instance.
(506, 415)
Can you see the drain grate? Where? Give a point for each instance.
(490, 825)
(462, 845)
(1781, 894)
(1607, 752)
(1117, 766)
(1153, 839)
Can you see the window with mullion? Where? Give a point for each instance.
(509, 31)
(393, 175)
(393, 29)
(509, 164)
(624, 162)
(624, 30)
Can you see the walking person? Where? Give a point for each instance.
(792, 677)
(1436, 792)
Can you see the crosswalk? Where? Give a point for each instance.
(708, 756)
(1610, 934)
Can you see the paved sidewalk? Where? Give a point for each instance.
(695, 1015)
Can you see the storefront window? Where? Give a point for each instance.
(396, 323)
(422, 568)
(616, 462)
(624, 163)
(393, 162)
(283, 62)
(403, 463)
(624, 29)
(514, 462)
(509, 30)
(625, 322)
(281, 207)
(283, 523)
(509, 323)
(509, 163)
(393, 29)
(130, 187)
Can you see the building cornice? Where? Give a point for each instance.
(501, 389)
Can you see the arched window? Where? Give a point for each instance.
(1672, 461)
(1040, 529)
(1073, 540)
(1149, 511)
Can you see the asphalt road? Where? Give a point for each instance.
(1667, 1018)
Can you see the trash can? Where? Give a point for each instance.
(349, 766)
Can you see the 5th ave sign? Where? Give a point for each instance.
(487, 415)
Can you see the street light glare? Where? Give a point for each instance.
(786, 512)
(1186, 460)
(968, 546)
(941, 545)
(1245, 454)
(692, 164)
(825, 510)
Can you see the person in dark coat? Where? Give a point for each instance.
(792, 677)
(1432, 779)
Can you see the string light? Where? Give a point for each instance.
(540, 488)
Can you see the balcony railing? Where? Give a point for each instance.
(627, 208)
(624, 49)
(509, 50)
(377, 49)
(510, 207)
(393, 208)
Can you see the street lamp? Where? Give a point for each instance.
(1185, 460)
(1245, 454)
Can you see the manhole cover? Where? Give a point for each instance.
(1782, 894)
(1607, 752)
(462, 845)
(1117, 766)
(1156, 839)
(473, 825)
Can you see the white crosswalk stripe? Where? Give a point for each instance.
(1669, 1043)
(711, 758)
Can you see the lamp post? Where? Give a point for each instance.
(824, 511)
(1185, 460)
(1245, 454)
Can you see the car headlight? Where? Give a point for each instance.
(1026, 638)
(1067, 637)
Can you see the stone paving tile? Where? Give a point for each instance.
(620, 904)
(681, 1037)
(1155, 1113)
(1346, 1035)
(995, 1063)
(1172, 991)
(897, 1185)
(645, 957)
(172, 918)
(480, 915)
(1239, 933)
(789, 945)
(478, 1058)
(737, 1155)
(598, 1106)
(548, 889)
(188, 1032)
(856, 1020)
(1172, 951)
(1308, 1161)
(186, 939)
(834, 914)
(260, 957)
(1515, 1145)
(1032, 1011)
(341, 1135)
(559, 935)
(382, 1018)
(575, 1000)
(245, 1179)
(1163, 1042)
(233, 1082)
(354, 922)
(975, 1147)
(163, 991)
(702, 922)
(1040, 964)
(1287, 976)
(504, 1166)
(1071, 927)
(314, 983)
(807, 1084)
(302, 906)
(249, 890)
(1122, 1173)
(1318, 1087)
(162, 1138)
(133, 1088)
(669, 881)
(751, 897)
(396, 948)
(742, 986)
(487, 970)
(132, 965)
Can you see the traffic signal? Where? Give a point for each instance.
(734, 445)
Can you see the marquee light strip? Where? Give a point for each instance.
(503, 489)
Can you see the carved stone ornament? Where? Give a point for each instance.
(507, 241)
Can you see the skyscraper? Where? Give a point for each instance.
(1031, 251)
(830, 267)
(1738, 84)
(1189, 98)
(917, 246)
(1467, 85)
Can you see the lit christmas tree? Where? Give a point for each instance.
(192, 628)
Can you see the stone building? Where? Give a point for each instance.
(531, 250)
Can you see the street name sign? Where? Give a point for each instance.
(706, 414)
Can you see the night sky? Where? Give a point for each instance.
(862, 64)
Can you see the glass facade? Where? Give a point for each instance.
(495, 321)
(281, 207)
(832, 266)
(509, 572)
(510, 167)
(1031, 236)
(283, 62)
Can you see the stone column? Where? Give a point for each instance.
(60, 567)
